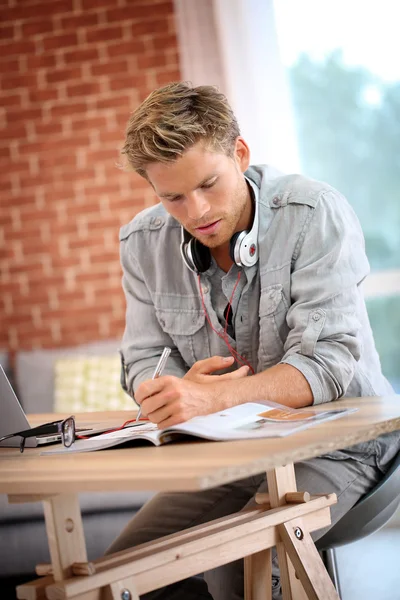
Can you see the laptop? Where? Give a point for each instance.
(13, 419)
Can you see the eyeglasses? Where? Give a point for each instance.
(66, 428)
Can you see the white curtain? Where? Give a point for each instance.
(233, 44)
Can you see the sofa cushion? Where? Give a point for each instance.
(90, 503)
(91, 383)
(23, 545)
(35, 372)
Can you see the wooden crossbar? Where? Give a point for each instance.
(156, 564)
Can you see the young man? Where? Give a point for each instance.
(253, 279)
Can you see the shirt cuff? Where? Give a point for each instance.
(313, 373)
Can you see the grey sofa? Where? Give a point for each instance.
(22, 531)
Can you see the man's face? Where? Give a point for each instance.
(206, 192)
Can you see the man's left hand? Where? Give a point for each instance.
(170, 400)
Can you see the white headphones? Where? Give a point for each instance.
(243, 247)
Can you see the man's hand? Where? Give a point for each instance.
(170, 400)
(202, 369)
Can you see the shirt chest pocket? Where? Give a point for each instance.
(187, 329)
(273, 327)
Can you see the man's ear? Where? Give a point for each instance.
(242, 154)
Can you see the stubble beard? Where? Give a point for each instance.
(229, 223)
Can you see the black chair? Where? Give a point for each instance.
(370, 513)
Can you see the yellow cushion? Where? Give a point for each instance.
(84, 384)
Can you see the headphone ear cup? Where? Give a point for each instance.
(201, 256)
(232, 245)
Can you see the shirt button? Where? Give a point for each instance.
(157, 222)
(316, 316)
(276, 201)
(204, 289)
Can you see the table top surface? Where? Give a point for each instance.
(187, 465)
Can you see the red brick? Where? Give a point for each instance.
(149, 27)
(88, 123)
(36, 61)
(110, 68)
(92, 277)
(126, 49)
(161, 42)
(83, 89)
(5, 185)
(138, 11)
(151, 61)
(28, 200)
(51, 161)
(64, 146)
(11, 100)
(114, 102)
(102, 155)
(63, 74)
(80, 20)
(60, 41)
(112, 138)
(5, 152)
(7, 32)
(42, 9)
(10, 82)
(10, 66)
(111, 222)
(18, 168)
(127, 82)
(65, 110)
(20, 47)
(19, 319)
(13, 131)
(21, 115)
(105, 258)
(164, 77)
(81, 55)
(89, 4)
(103, 34)
(37, 95)
(37, 27)
(46, 129)
(97, 190)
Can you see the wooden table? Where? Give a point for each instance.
(284, 518)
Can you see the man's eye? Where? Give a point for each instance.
(208, 185)
(175, 199)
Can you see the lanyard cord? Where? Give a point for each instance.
(238, 357)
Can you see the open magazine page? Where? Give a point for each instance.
(246, 421)
(253, 420)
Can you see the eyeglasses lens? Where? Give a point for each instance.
(68, 432)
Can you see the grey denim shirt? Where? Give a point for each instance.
(311, 315)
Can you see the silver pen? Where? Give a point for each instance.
(158, 371)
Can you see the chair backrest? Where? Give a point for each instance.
(369, 514)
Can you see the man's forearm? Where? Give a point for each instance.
(282, 383)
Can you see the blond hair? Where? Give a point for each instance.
(175, 117)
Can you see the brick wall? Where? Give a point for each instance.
(71, 71)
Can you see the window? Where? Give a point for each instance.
(341, 61)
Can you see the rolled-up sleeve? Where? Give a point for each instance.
(143, 340)
(326, 299)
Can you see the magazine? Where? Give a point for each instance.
(246, 421)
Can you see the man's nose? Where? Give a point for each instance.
(197, 206)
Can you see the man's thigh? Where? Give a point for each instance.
(168, 513)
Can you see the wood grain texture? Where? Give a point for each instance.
(180, 555)
(192, 465)
(307, 561)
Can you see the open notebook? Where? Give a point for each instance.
(246, 421)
